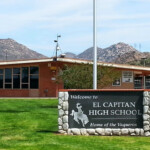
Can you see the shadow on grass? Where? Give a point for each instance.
(12, 111)
(47, 131)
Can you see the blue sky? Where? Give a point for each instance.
(36, 23)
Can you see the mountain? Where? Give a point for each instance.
(88, 54)
(11, 50)
(117, 53)
(70, 55)
(130, 57)
(144, 61)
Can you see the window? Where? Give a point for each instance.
(25, 78)
(127, 76)
(19, 78)
(138, 82)
(1, 71)
(117, 82)
(16, 78)
(34, 77)
(24, 86)
(34, 70)
(147, 82)
(8, 86)
(1, 78)
(34, 81)
(16, 71)
(8, 78)
(16, 81)
(8, 75)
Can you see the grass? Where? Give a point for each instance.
(31, 124)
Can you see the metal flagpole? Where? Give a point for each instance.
(95, 47)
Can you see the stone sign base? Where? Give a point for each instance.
(63, 123)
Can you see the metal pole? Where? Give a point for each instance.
(56, 48)
(95, 47)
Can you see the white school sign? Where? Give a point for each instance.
(97, 112)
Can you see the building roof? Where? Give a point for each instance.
(121, 66)
(77, 61)
(27, 61)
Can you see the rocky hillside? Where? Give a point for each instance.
(88, 54)
(11, 50)
(144, 61)
(130, 57)
(117, 53)
(70, 55)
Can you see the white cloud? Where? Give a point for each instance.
(64, 13)
(50, 12)
(128, 35)
(69, 15)
(124, 17)
(10, 2)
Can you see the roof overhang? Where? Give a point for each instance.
(75, 61)
(120, 66)
(25, 61)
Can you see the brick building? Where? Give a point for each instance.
(36, 78)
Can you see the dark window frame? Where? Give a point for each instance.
(34, 75)
(28, 79)
(6, 83)
(17, 74)
(2, 74)
(30, 76)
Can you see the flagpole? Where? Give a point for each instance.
(95, 47)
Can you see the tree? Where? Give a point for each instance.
(107, 76)
(80, 76)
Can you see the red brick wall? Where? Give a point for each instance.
(45, 82)
(47, 87)
(14, 93)
(122, 86)
(34, 93)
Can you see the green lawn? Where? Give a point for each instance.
(31, 124)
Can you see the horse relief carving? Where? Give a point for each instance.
(79, 115)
